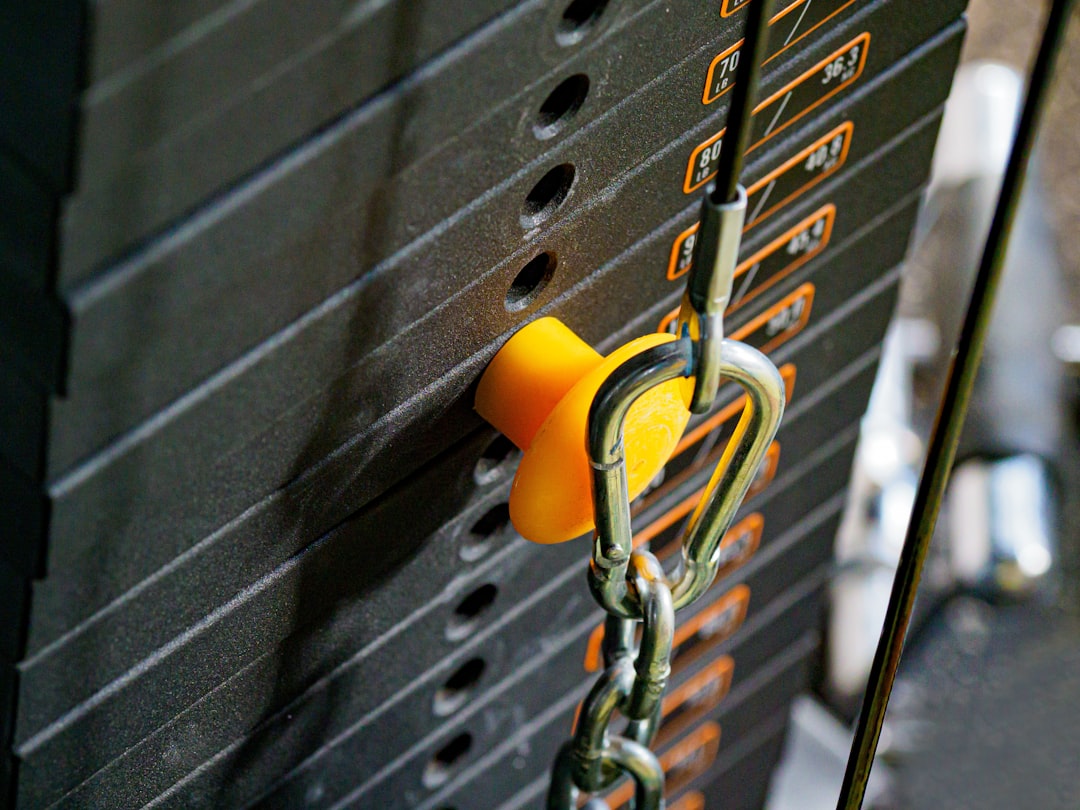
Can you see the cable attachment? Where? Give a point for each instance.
(708, 290)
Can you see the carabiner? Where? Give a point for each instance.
(738, 466)
(700, 352)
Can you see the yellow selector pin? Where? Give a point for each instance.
(538, 390)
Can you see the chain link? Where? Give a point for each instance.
(631, 685)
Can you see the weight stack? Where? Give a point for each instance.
(257, 550)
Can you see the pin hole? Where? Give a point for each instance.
(470, 611)
(439, 768)
(561, 105)
(530, 282)
(577, 20)
(458, 688)
(496, 461)
(480, 535)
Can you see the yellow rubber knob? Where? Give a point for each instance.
(538, 390)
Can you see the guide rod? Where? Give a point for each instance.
(737, 132)
(945, 434)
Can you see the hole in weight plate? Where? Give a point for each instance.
(547, 195)
(478, 539)
(438, 770)
(578, 19)
(458, 688)
(467, 615)
(530, 282)
(561, 105)
(496, 459)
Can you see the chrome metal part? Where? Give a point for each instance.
(708, 291)
(630, 585)
(632, 685)
(735, 472)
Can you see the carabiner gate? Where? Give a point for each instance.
(700, 352)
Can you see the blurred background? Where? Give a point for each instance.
(982, 715)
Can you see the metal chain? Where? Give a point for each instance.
(631, 685)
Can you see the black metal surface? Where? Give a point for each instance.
(737, 781)
(33, 334)
(286, 72)
(349, 616)
(400, 781)
(149, 517)
(23, 414)
(377, 687)
(268, 493)
(298, 649)
(26, 230)
(744, 784)
(203, 300)
(748, 706)
(41, 57)
(116, 640)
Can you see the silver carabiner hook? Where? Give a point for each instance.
(613, 540)
(700, 352)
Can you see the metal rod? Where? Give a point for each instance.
(723, 209)
(737, 135)
(950, 420)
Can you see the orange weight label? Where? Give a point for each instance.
(725, 417)
(780, 322)
(798, 174)
(690, 757)
(782, 257)
(682, 253)
(701, 631)
(686, 705)
(721, 74)
(700, 694)
(695, 800)
(783, 108)
(773, 327)
(766, 472)
(699, 449)
(790, 180)
(709, 627)
(786, 28)
(729, 7)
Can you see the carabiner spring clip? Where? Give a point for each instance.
(700, 352)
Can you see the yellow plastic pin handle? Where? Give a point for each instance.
(538, 390)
